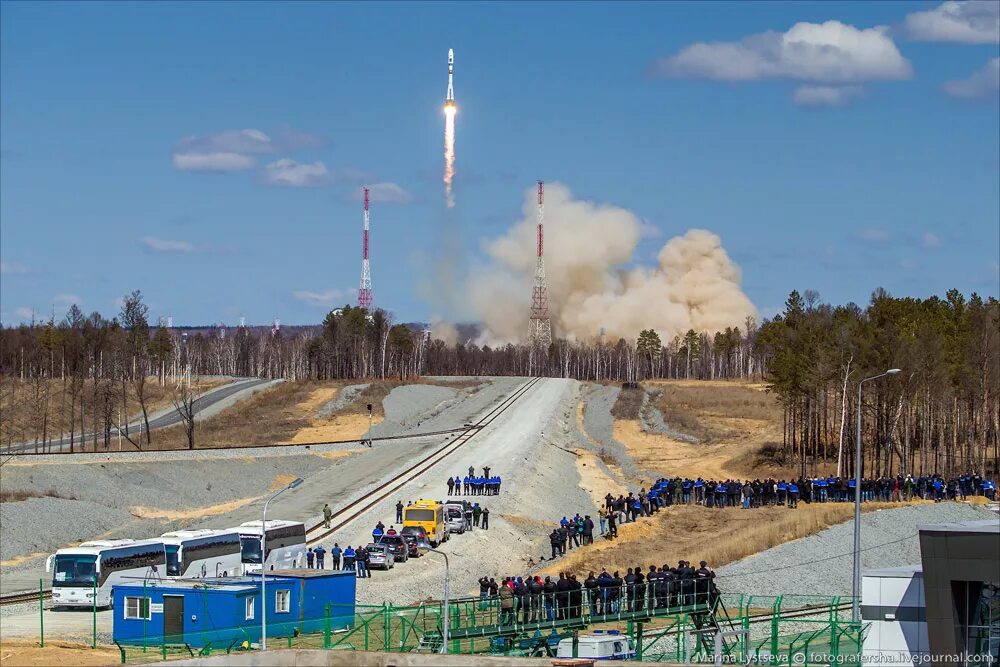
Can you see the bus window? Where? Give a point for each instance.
(173, 560)
(75, 570)
(419, 515)
(250, 548)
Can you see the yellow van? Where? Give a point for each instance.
(429, 515)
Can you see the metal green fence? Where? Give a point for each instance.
(799, 630)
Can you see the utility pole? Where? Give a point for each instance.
(539, 324)
(365, 291)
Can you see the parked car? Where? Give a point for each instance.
(416, 531)
(379, 556)
(397, 547)
(413, 545)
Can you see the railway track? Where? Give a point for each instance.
(17, 598)
(356, 508)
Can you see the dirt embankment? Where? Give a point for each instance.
(728, 423)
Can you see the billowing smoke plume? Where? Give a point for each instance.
(696, 285)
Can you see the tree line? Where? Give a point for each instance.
(939, 414)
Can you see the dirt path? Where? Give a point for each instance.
(27, 653)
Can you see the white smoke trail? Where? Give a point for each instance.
(449, 153)
(695, 285)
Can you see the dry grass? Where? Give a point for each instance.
(732, 421)
(27, 653)
(628, 404)
(287, 413)
(696, 533)
(21, 418)
(17, 496)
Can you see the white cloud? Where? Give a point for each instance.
(153, 244)
(930, 240)
(969, 22)
(289, 173)
(212, 162)
(67, 299)
(983, 84)
(873, 235)
(385, 192)
(24, 313)
(236, 150)
(324, 299)
(10, 268)
(826, 96)
(830, 52)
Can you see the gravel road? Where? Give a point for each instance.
(599, 424)
(821, 564)
(652, 419)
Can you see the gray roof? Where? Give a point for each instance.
(983, 526)
(903, 572)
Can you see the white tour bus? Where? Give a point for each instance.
(285, 545)
(106, 562)
(203, 553)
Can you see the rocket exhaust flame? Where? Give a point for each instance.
(449, 132)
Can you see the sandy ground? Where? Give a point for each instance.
(27, 653)
(672, 457)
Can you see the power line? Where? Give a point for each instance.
(813, 562)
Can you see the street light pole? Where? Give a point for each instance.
(445, 620)
(856, 583)
(263, 557)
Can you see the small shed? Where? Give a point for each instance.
(227, 611)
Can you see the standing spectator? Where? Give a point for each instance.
(506, 604)
(320, 554)
(486, 518)
(327, 515)
(602, 516)
(399, 512)
(335, 556)
(362, 560)
(477, 511)
(349, 556)
(309, 558)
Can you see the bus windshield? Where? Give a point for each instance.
(173, 560)
(250, 548)
(79, 570)
(419, 515)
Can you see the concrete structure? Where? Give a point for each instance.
(893, 606)
(227, 611)
(961, 572)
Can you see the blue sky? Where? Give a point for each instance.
(210, 154)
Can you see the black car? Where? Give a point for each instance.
(411, 545)
(397, 545)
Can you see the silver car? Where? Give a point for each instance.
(379, 556)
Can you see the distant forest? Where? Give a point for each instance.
(939, 414)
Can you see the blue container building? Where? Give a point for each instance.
(226, 611)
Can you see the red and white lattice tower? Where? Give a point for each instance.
(539, 325)
(365, 291)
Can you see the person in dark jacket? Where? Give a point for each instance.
(535, 590)
(309, 558)
(562, 597)
(593, 592)
(605, 582)
(629, 590)
(555, 539)
(588, 530)
(520, 600)
(486, 518)
(549, 598)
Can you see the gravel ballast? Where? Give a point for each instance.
(344, 397)
(821, 564)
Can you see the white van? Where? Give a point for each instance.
(610, 645)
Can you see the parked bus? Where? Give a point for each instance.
(103, 563)
(284, 543)
(203, 553)
(429, 515)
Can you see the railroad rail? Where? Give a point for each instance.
(356, 508)
(29, 596)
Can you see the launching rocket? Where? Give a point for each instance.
(449, 100)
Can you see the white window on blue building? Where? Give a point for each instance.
(281, 602)
(136, 608)
(250, 602)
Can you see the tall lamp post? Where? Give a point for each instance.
(263, 557)
(856, 584)
(445, 620)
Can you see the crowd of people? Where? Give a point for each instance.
(530, 599)
(475, 485)
(758, 493)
